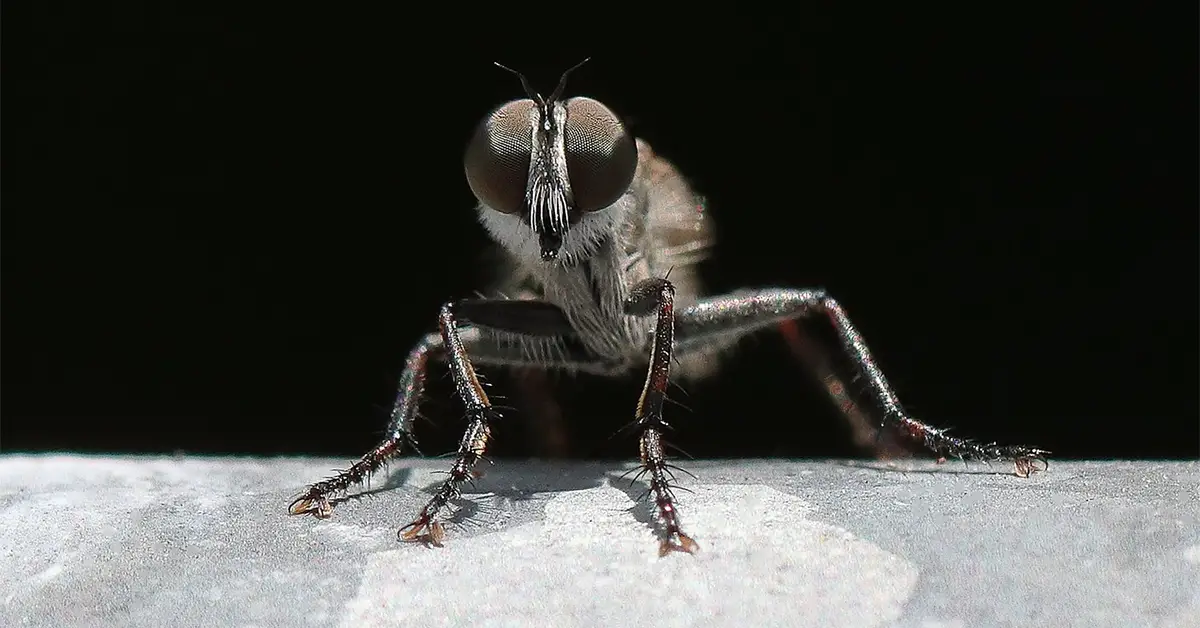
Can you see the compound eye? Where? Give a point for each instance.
(601, 155)
(497, 158)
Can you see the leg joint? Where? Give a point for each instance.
(646, 296)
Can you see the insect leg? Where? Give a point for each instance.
(426, 527)
(316, 499)
(657, 297)
(531, 319)
(528, 318)
(739, 314)
(866, 432)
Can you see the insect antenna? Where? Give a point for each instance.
(533, 95)
(562, 80)
(529, 91)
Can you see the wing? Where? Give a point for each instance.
(670, 230)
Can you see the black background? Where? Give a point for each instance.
(223, 231)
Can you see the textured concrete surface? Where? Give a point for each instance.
(104, 541)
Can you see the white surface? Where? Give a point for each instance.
(591, 551)
(94, 541)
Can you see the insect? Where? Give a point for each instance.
(603, 236)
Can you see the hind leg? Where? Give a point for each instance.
(717, 319)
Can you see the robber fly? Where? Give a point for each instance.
(604, 235)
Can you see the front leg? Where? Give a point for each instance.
(718, 319)
(657, 297)
(531, 320)
(318, 499)
(427, 527)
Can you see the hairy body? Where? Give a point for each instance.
(658, 227)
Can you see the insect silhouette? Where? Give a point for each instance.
(603, 236)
